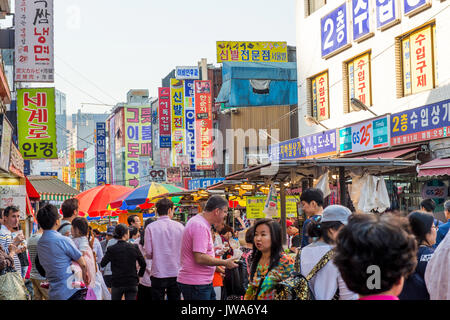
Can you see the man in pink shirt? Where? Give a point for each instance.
(163, 246)
(197, 252)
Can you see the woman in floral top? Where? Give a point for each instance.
(270, 265)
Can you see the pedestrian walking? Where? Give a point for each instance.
(197, 252)
(123, 257)
(326, 283)
(110, 241)
(424, 229)
(443, 229)
(437, 273)
(270, 265)
(312, 205)
(40, 293)
(69, 210)
(163, 240)
(145, 284)
(374, 264)
(56, 253)
(8, 235)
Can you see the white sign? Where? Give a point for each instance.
(14, 195)
(434, 192)
(34, 41)
(185, 73)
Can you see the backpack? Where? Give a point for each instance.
(297, 286)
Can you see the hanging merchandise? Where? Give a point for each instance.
(270, 207)
(323, 184)
(381, 196)
(370, 193)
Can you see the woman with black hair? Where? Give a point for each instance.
(123, 257)
(145, 285)
(424, 229)
(316, 258)
(270, 265)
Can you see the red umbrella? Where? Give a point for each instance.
(95, 201)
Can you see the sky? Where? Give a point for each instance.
(104, 48)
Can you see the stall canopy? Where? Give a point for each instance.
(403, 153)
(436, 167)
(52, 189)
(31, 191)
(253, 84)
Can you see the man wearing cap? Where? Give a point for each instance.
(294, 236)
(110, 241)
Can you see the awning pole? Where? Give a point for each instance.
(342, 185)
(283, 213)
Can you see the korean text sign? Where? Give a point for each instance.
(386, 13)
(361, 19)
(34, 41)
(203, 125)
(36, 123)
(164, 118)
(321, 107)
(364, 136)
(317, 145)
(189, 104)
(412, 6)
(203, 183)
(184, 73)
(6, 131)
(178, 121)
(138, 141)
(100, 145)
(421, 124)
(251, 51)
(255, 207)
(334, 32)
(359, 79)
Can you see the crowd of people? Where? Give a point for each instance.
(334, 255)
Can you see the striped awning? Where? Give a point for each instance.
(56, 197)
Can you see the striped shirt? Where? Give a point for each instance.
(32, 250)
(5, 241)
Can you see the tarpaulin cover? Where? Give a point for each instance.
(237, 90)
(436, 167)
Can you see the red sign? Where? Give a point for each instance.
(203, 125)
(164, 114)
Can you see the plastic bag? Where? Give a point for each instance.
(323, 184)
(270, 207)
(370, 193)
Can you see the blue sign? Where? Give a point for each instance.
(189, 88)
(313, 146)
(333, 30)
(386, 12)
(49, 174)
(165, 142)
(203, 183)
(100, 150)
(183, 73)
(361, 21)
(421, 124)
(190, 136)
(26, 167)
(413, 5)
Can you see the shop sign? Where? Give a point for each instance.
(138, 141)
(184, 73)
(435, 192)
(334, 31)
(178, 122)
(164, 118)
(100, 162)
(12, 193)
(251, 51)
(36, 123)
(365, 136)
(255, 207)
(361, 19)
(49, 174)
(16, 164)
(189, 104)
(203, 183)
(387, 13)
(5, 142)
(321, 107)
(203, 125)
(165, 157)
(421, 124)
(174, 175)
(413, 6)
(317, 145)
(34, 41)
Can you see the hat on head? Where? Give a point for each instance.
(336, 212)
(110, 231)
(288, 223)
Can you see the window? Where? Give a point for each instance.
(416, 51)
(313, 5)
(357, 80)
(320, 107)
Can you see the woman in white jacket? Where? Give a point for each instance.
(327, 283)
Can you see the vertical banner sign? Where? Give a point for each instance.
(100, 163)
(165, 157)
(406, 56)
(164, 118)
(361, 19)
(190, 121)
(73, 168)
(178, 122)
(365, 136)
(334, 32)
(112, 148)
(36, 123)
(421, 60)
(34, 41)
(359, 79)
(65, 175)
(138, 141)
(386, 13)
(6, 131)
(413, 6)
(320, 96)
(203, 125)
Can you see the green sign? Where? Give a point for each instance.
(36, 123)
(255, 207)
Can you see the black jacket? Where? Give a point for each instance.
(123, 257)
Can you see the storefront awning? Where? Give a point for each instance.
(390, 154)
(31, 191)
(52, 189)
(436, 167)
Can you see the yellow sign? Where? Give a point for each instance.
(65, 175)
(321, 108)
(421, 60)
(178, 118)
(359, 79)
(241, 51)
(255, 207)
